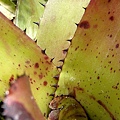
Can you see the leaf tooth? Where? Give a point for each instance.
(59, 67)
(24, 30)
(69, 40)
(52, 60)
(35, 41)
(77, 24)
(85, 8)
(43, 51)
(56, 77)
(37, 23)
(65, 51)
(56, 85)
(13, 19)
(52, 94)
(62, 60)
(42, 4)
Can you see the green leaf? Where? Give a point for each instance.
(8, 4)
(28, 12)
(18, 55)
(7, 7)
(91, 71)
(58, 25)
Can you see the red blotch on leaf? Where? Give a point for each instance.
(45, 83)
(84, 24)
(109, 0)
(117, 46)
(46, 57)
(111, 18)
(36, 65)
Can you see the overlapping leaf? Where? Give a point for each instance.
(58, 25)
(91, 71)
(19, 54)
(19, 103)
(28, 13)
(8, 4)
(7, 7)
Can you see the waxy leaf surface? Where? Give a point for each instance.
(58, 25)
(18, 55)
(91, 71)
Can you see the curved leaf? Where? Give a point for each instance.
(19, 54)
(28, 13)
(58, 25)
(92, 66)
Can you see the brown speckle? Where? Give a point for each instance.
(36, 65)
(98, 77)
(113, 55)
(76, 48)
(37, 88)
(11, 78)
(31, 82)
(111, 18)
(84, 24)
(27, 62)
(117, 46)
(19, 65)
(109, 12)
(46, 68)
(109, 1)
(110, 35)
(109, 62)
(111, 68)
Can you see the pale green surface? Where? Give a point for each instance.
(7, 8)
(91, 71)
(58, 25)
(18, 55)
(10, 6)
(27, 12)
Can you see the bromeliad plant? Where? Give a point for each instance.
(73, 73)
